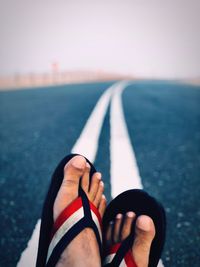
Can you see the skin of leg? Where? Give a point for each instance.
(121, 227)
(83, 249)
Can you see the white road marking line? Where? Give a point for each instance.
(86, 145)
(28, 256)
(124, 170)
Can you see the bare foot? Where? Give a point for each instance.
(119, 229)
(83, 249)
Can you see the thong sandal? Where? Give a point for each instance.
(141, 203)
(81, 213)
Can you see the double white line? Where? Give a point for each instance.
(124, 171)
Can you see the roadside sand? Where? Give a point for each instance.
(56, 78)
(193, 81)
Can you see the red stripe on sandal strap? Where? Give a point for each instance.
(128, 257)
(69, 210)
(113, 249)
(68, 218)
(66, 213)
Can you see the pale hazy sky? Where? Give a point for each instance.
(154, 38)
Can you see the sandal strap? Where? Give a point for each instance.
(81, 213)
(127, 261)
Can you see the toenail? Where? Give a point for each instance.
(144, 223)
(130, 214)
(102, 184)
(78, 162)
(98, 175)
(119, 216)
(87, 165)
(104, 197)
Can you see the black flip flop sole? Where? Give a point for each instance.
(47, 213)
(141, 203)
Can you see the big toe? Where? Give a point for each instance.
(74, 169)
(68, 191)
(144, 235)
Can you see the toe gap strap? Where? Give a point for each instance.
(120, 255)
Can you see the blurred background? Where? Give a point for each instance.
(57, 58)
(148, 39)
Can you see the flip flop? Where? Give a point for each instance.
(81, 213)
(140, 203)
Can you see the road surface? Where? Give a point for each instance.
(40, 126)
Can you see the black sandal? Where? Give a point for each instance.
(81, 213)
(140, 203)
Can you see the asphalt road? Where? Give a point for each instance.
(39, 126)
